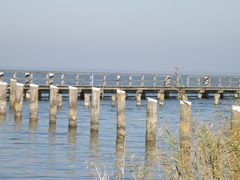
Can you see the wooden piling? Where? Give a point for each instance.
(121, 119)
(216, 98)
(151, 120)
(53, 104)
(72, 112)
(185, 132)
(3, 97)
(161, 97)
(138, 98)
(59, 100)
(33, 102)
(114, 98)
(95, 108)
(12, 94)
(87, 100)
(18, 101)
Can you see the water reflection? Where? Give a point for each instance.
(71, 153)
(33, 125)
(94, 143)
(2, 119)
(120, 157)
(18, 123)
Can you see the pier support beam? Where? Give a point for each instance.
(114, 98)
(72, 112)
(151, 123)
(121, 119)
(96, 92)
(33, 102)
(12, 94)
(185, 132)
(86, 100)
(3, 98)
(59, 100)
(216, 98)
(53, 104)
(138, 98)
(161, 97)
(18, 101)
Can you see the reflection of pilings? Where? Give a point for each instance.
(3, 95)
(95, 108)
(151, 157)
(33, 102)
(2, 119)
(12, 93)
(18, 123)
(18, 101)
(185, 133)
(121, 119)
(53, 104)
(94, 142)
(33, 125)
(120, 157)
(235, 136)
(51, 133)
(151, 120)
(72, 135)
(72, 111)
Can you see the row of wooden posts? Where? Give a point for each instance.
(17, 95)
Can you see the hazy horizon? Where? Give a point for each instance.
(126, 36)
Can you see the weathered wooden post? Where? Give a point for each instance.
(104, 80)
(33, 102)
(114, 98)
(53, 104)
(235, 138)
(121, 119)
(161, 97)
(77, 80)
(130, 81)
(151, 120)
(86, 100)
(91, 79)
(18, 101)
(13, 86)
(3, 98)
(59, 100)
(216, 98)
(72, 112)
(95, 108)
(185, 132)
(138, 98)
(15, 75)
(142, 80)
(118, 80)
(62, 80)
(188, 81)
(154, 80)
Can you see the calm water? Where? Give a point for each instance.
(29, 151)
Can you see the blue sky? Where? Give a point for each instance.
(124, 36)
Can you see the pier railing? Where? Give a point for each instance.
(121, 79)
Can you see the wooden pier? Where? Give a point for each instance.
(140, 86)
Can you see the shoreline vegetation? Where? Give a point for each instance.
(214, 153)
